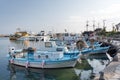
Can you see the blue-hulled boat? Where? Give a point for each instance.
(96, 44)
(95, 50)
(49, 55)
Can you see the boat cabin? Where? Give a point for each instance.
(50, 51)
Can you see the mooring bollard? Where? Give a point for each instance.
(101, 76)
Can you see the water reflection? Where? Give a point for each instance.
(21, 73)
(98, 62)
(85, 70)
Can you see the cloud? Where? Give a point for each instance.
(110, 12)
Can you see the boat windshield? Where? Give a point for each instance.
(48, 44)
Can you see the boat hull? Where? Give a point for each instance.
(45, 64)
(95, 51)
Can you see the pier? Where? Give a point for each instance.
(112, 70)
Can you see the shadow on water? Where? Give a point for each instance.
(91, 65)
(100, 56)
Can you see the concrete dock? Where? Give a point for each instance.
(112, 70)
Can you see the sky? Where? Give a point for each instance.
(57, 15)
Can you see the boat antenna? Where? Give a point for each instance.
(93, 25)
(87, 25)
(104, 24)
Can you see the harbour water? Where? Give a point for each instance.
(89, 66)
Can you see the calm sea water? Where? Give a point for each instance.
(82, 71)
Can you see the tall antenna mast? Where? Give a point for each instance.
(104, 24)
(87, 25)
(93, 25)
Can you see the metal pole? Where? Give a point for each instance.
(104, 24)
(87, 25)
(93, 25)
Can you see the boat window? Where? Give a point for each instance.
(48, 44)
(66, 34)
(39, 56)
(46, 56)
(59, 49)
(72, 34)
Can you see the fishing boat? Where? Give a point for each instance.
(24, 35)
(49, 55)
(20, 35)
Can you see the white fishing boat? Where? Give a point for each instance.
(49, 55)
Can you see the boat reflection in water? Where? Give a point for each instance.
(21, 73)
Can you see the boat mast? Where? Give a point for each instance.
(87, 25)
(104, 24)
(93, 25)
